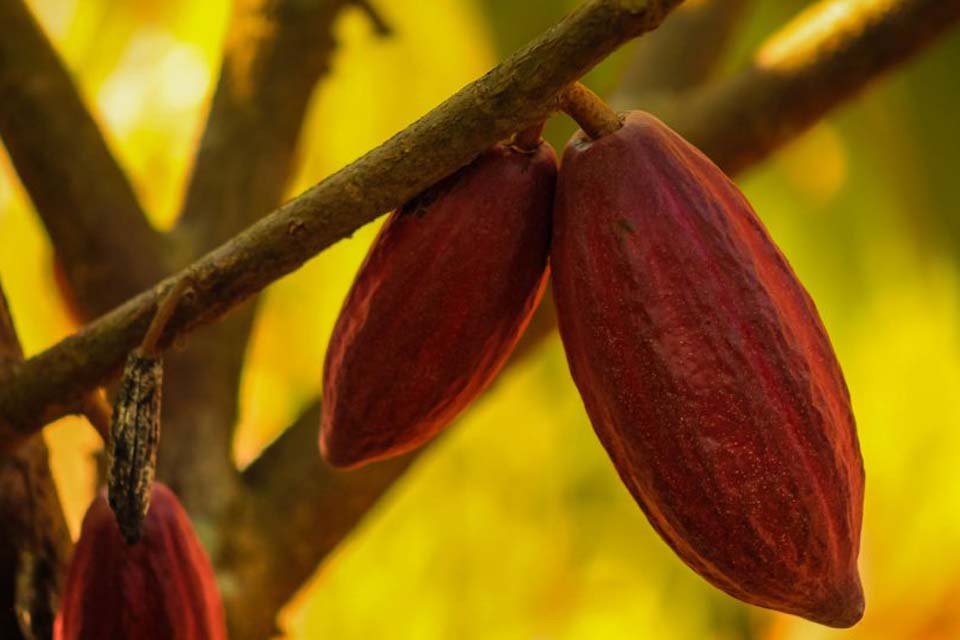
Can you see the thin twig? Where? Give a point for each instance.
(151, 339)
(594, 116)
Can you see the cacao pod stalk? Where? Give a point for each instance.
(439, 303)
(707, 373)
(161, 588)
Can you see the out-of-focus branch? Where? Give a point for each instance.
(512, 96)
(275, 53)
(34, 540)
(680, 55)
(290, 465)
(102, 238)
(818, 61)
(269, 558)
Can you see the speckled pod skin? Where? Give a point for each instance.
(161, 588)
(445, 292)
(707, 373)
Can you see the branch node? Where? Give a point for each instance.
(528, 140)
(164, 312)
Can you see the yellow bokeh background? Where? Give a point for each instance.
(515, 525)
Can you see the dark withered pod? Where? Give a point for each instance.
(134, 438)
(135, 426)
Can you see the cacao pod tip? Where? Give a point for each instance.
(844, 608)
(349, 454)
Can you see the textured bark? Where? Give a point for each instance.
(275, 53)
(34, 540)
(104, 242)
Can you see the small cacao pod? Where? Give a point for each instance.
(440, 301)
(161, 588)
(707, 373)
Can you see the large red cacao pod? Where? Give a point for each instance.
(707, 373)
(439, 303)
(161, 588)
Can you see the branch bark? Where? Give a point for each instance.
(275, 54)
(822, 58)
(512, 96)
(34, 539)
(295, 495)
(105, 243)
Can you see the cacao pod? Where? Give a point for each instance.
(707, 373)
(440, 301)
(161, 588)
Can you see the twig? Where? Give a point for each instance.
(289, 466)
(149, 346)
(513, 96)
(530, 138)
(275, 54)
(594, 116)
(105, 243)
(381, 26)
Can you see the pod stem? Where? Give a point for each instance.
(593, 115)
(164, 312)
(528, 140)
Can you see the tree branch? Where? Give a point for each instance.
(34, 539)
(276, 51)
(512, 96)
(682, 54)
(105, 243)
(297, 495)
(822, 58)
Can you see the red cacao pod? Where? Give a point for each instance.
(161, 588)
(440, 301)
(707, 373)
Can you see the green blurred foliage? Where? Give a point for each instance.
(515, 525)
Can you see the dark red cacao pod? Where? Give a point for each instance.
(707, 373)
(161, 588)
(441, 300)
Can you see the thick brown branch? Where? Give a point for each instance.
(682, 54)
(34, 540)
(275, 53)
(822, 58)
(102, 238)
(290, 465)
(268, 559)
(513, 96)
